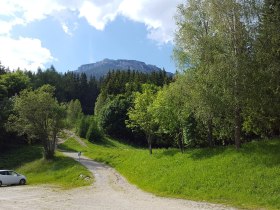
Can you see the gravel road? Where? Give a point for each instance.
(109, 191)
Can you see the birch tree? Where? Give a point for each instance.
(215, 38)
(140, 115)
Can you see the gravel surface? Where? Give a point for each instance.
(109, 191)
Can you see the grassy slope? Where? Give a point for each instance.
(248, 178)
(62, 171)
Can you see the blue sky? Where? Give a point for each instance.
(69, 33)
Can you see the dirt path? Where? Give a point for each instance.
(110, 191)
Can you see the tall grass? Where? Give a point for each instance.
(248, 178)
(62, 171)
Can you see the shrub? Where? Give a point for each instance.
(83, 126)
(93, 133)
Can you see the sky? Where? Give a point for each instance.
(69, 33)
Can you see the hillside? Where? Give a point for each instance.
(61, 171)
(248, 178)
(101, 68)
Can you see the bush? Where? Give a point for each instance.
(93, 133)
(113, 115)
(83, 126)
(74, 113)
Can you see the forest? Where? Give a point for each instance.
(78, 97)
(225, 91)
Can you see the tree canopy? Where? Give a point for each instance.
(140, 115)
(38, 115)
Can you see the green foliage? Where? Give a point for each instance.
(262, 116)
(13, 83)
(3, 70)
(171, 110)
(87, 127)
(74, 112)
(248, 178)
(94, 134)
(113, 115)
(115, 99)
(120, 82)
(69, 86)
(83, 126)
(101, 101)
(10, 85)
(5, 110)
(39, 115)
(140, 115)
(19, 156)
(191, 132)
(3, 92)
(232, 78)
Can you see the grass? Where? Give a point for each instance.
(17, 157)
(248, 178)
(71, 145)
(62, 171)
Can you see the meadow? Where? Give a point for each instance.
(248, 178)
(62, 171)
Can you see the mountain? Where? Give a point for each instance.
(101, 68)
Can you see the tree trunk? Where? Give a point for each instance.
(54, 140)
(49, 154)
(237, 130)
(48, 151)
(237, 109)
(181, 142)
(210, 133)
(149, 138)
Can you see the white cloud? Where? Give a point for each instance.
(6, 26)
(66, 29)
(18, 12)
(98, 15)
(93, 15)
(29, 10)
(157, 15)
(29, 53)
(25, 53)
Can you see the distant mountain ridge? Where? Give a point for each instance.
(101, 68)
